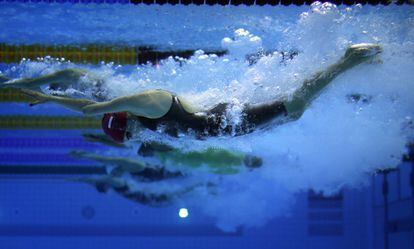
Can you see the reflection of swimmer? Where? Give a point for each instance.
(138, 169)
(163, 111)
(134, 187)
(135, 192)
(215, 160)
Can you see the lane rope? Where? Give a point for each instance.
(18, 122)
(92, 53)
(218, 2)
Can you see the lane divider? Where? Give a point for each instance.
(118, 230)
(52, 170)
(264, 2)
(89, 53)
(219, 2)
(92, 53)
(49, 122)
(48, 142)
(12, 95)
(40, 158)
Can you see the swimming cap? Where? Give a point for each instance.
(114, 125)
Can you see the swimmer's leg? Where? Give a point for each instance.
(311, 88)
(63, 78)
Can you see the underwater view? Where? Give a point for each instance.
(206, 126)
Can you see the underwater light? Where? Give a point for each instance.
(183, 213)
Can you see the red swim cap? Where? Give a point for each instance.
(114, 125)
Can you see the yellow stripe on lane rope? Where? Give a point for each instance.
(49, 122)
(91, 53)
(13, 95)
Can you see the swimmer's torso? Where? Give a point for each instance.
(179, 118)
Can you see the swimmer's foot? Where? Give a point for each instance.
(361, 52)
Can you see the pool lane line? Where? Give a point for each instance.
(218, 2)
(37, 158)
(49, 122)
(23, 108)
(51, 170)
(92, 53)
(12, 95)
(45, 142)
(111, 230)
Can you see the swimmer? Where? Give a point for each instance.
(213, 159)
(217, 160)
(135, 192)
(135, 187)
(165, 112)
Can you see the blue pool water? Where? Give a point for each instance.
(319, 185)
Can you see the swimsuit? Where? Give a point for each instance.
(212, 122)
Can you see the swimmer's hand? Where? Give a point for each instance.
(38, 97)
(361, 52)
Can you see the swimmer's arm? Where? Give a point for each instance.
(149, 104)
(65, 77)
